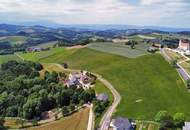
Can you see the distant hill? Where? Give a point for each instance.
(37, 34)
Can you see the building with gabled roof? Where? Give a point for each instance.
(121, 123)
(187, 126)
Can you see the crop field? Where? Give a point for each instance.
(146, 37)
(5, 58)
(120, 49)
(174, 56)
(14, 39)
(186, 66)
(48, 44)
(50, 68)
(11, 123)
(77, 121)
(155, 35)
(147, 84)
(135, 38)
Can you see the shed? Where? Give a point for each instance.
(187, 126)
(102, 97)
(121, 123)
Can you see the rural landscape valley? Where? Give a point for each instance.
(95, 65)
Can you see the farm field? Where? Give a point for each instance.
(14, 39)
(147, 84)
(36, 56)
(146, 37)
(120, 49)
(5, 58)
(77, 121)
(186, 66)
(48, 44)
(174, 55)
(136, 38)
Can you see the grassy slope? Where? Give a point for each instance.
(5, 58)
(101, 88)
(36, 56)
(77, 121)
(148, 78)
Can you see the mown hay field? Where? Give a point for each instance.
(77, 121)
(120, 49)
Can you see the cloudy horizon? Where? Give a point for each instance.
(171, 13)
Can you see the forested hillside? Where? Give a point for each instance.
(23, 93)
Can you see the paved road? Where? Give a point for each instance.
(105, 122)
(106, 119)
(91, 119)
(181, 70)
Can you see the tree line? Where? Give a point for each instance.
(23, 93)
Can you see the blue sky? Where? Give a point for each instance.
(172, 13)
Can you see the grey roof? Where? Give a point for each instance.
(122, 123)
(187, 126)
(102, 97)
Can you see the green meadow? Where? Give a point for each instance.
(147, 84)
(5, 58)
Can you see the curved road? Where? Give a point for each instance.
(183, 73)
(106, 119)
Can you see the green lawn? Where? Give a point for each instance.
(101, 88)
(147, 84)
(121, 49)
(5, 58)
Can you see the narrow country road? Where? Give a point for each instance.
(106, 119)
(181, 70)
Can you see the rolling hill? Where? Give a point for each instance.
(147, 84)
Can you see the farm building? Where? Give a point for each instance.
(33, 49)
(81, 79)
(187, 126)
(155, 42)
(121, 123)
(184, 45)
(102, 97)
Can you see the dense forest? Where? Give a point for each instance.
(23, 93)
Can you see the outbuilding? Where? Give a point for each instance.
(102, 97)
(121, 123)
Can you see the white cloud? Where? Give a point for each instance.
(146, 12)
(150, 2)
